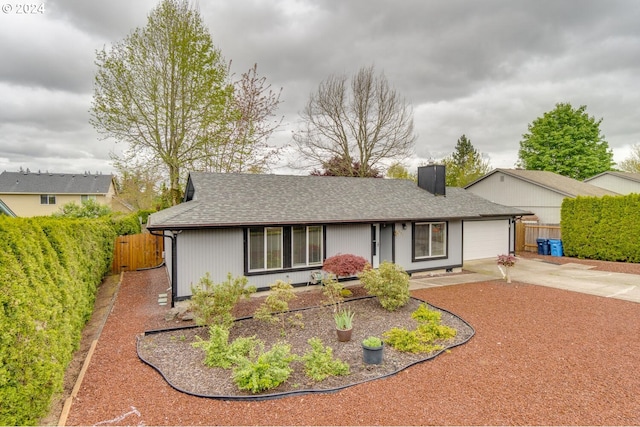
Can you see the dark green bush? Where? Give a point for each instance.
(49, 272)
(603, 228)
(125, 225)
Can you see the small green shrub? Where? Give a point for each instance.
(404, 340)
(220, 353)
(212, 303)
(332, 292)
(372, 342)
(421, 339)
(268, 371)
(275, 306)
(389, 283)
(319, 362)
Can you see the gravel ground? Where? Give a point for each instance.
(539, 356)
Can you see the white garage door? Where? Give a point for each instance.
(485, 239)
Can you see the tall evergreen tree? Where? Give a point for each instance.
(465, 164)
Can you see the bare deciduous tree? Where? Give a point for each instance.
(239, 141)
(632, 163)
(363, 121)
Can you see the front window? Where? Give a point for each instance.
(84, 198)
(306, 246)
(276, 248)
(47, 199)
(430, 240)
(265, 248)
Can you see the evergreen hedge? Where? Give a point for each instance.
(50, 269)
(603, 228)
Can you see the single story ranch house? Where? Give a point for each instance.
(270, 227)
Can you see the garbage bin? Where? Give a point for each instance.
(556, 247)
(543, 246)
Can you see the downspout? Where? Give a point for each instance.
(174, 262)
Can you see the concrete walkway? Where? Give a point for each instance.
(572, 277)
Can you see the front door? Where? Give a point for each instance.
(381, 244)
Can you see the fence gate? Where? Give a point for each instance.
(528, 234)
(137, 251)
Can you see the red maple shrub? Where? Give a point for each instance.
(344, 265)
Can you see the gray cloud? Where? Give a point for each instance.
(485, 69)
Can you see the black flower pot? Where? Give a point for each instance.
(372, 355)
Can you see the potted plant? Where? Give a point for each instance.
(344, 323)
(372, 348)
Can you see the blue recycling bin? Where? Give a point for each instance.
(556, 247)
(544, 248)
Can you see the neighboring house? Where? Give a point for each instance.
(36, 194)
(270, 227)
(620, 182)
(540, 192)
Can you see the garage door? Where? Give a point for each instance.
(485, 239)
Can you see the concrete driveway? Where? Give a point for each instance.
(572, 277)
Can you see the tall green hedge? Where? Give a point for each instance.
(50, 269)
(604, 228)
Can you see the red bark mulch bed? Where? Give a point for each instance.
(539, 356)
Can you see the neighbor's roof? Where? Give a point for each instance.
(631, 176)
(53, 183)
(552, 181)
(219, 200)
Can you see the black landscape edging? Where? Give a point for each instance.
(298, 392)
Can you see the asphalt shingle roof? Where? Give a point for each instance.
(553, 181)
(53, 183)
(631, 176)
(250, 199)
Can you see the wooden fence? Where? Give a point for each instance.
(527, 235)
(137, 251)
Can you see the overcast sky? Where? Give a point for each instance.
(481, 68)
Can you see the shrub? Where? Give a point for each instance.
(389, 283)
(212, 303)
(372, 342)
(420, 340)
(275, 306)
(268, 371)
(319, 362)
(220, 353)
(50, 269)
(87, 209)
(332, 293)
(344, 265)
(125, 225)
